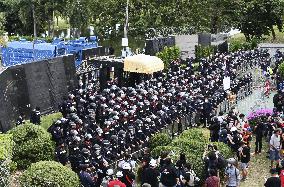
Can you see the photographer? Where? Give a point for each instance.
(211, 160)
(189, 178)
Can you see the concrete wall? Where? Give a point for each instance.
(187, 44)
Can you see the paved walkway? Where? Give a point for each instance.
(259, 165)
(245, 105)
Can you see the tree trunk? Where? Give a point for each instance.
(52, 24)
(273, 33)
(247, 37)
(214, 27)
(49, 27)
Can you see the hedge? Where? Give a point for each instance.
(281, 70)
(174, 151)
(195, 134)
(46, 121)
(204, 51)
(49, 173)
(32, 144)
(159, 139)
(6, 151)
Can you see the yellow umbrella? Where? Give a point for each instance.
(143, 64)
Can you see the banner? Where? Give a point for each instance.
(226, 83)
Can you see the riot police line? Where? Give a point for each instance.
(100, 127)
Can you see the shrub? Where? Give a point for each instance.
(6, 148)
(256, 117)
(173, 151)
(195, 134)
(281, 70)
(168, 55)
(204, 51)
(236, 45)
(159, 139)
(46, 121)
(49, 173)
(192, 143)
(32, 144)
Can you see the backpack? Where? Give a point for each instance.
(223, 135)
(236, 175)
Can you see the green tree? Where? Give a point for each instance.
(257, 17)
(2, 22)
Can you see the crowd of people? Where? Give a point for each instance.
(100, 127)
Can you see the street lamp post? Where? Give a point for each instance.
(34, 20)
(126, 19)
(125, 39)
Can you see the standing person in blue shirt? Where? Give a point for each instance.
(232, 174)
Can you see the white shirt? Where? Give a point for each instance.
(220, 119)
(275, 141)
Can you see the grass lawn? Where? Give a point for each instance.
(259, 167)
(47, 120)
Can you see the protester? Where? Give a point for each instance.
(245, 159)
(169, 177)
(275, 146)
(117, 181)
(213, 180)
(151, 174)
(232, 174)
(274, 180)
(21, 119)
(259, 130)
(189, 178)
(87, 180)
(128, 176)
(61, 154)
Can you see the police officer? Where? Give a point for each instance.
(35, 116)
(61, 154)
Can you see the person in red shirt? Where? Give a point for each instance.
(212, 180)
(282, 177)
(247, 136)
(267, 88)
(117, 182)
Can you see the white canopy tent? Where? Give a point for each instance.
(143, 64)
